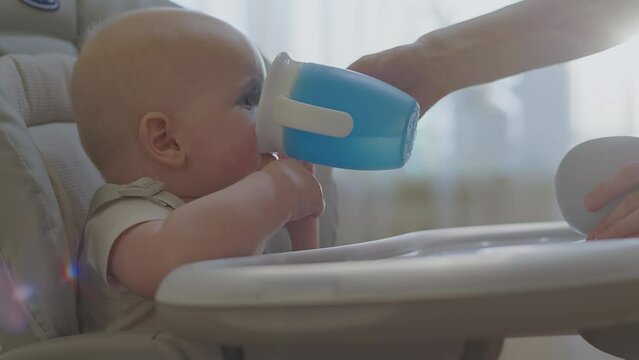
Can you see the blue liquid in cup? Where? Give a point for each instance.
(384, 120)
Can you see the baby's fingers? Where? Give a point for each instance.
(621, 181)
(309, 166)
(268, 158)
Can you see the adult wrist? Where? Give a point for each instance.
(437, 55)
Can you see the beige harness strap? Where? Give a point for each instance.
(145, 188)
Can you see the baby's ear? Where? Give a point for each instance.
(156, 134)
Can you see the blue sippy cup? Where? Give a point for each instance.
(335, 117)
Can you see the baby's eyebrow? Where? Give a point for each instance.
(253, 84)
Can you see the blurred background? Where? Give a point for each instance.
(484, 155)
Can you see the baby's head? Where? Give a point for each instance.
(169, 94)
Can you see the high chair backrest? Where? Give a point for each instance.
(40, 26)
(37, 250)
(46, 180)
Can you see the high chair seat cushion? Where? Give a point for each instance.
(28, 30)
(34, 252)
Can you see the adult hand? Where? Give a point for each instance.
(407, 68)
(623, 221)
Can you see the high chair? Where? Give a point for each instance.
(450, 293)
(48, 181)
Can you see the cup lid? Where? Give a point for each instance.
(280, 79)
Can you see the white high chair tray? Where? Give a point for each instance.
(477, 282)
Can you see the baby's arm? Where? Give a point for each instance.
(304, 233)
(231, 222)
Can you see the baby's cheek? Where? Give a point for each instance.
(243, 146)
(249, 148)
(239, 159)
(249, 158)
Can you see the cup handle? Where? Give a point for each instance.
(301, 116)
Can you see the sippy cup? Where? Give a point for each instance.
(334, 117)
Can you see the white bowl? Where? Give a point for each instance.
(582, 169)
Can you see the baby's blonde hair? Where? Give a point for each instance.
(128, 67)
(99, 113)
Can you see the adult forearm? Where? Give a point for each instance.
(524, 36)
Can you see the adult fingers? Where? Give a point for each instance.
(621, 181)
(629, 204)
(625, 227)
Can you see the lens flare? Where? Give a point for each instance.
(12, 317)
(23, 293)
(69, 272)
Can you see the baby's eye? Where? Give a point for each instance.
(250, 100)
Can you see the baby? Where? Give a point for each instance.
(165, 101)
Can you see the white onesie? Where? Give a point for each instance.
(104, 304)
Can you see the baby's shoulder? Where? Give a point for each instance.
(115, 208)
(145, 189)
(108, 222)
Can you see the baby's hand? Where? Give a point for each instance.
(304, 233)
(308, 199)
(623, 221)
(268, 158)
